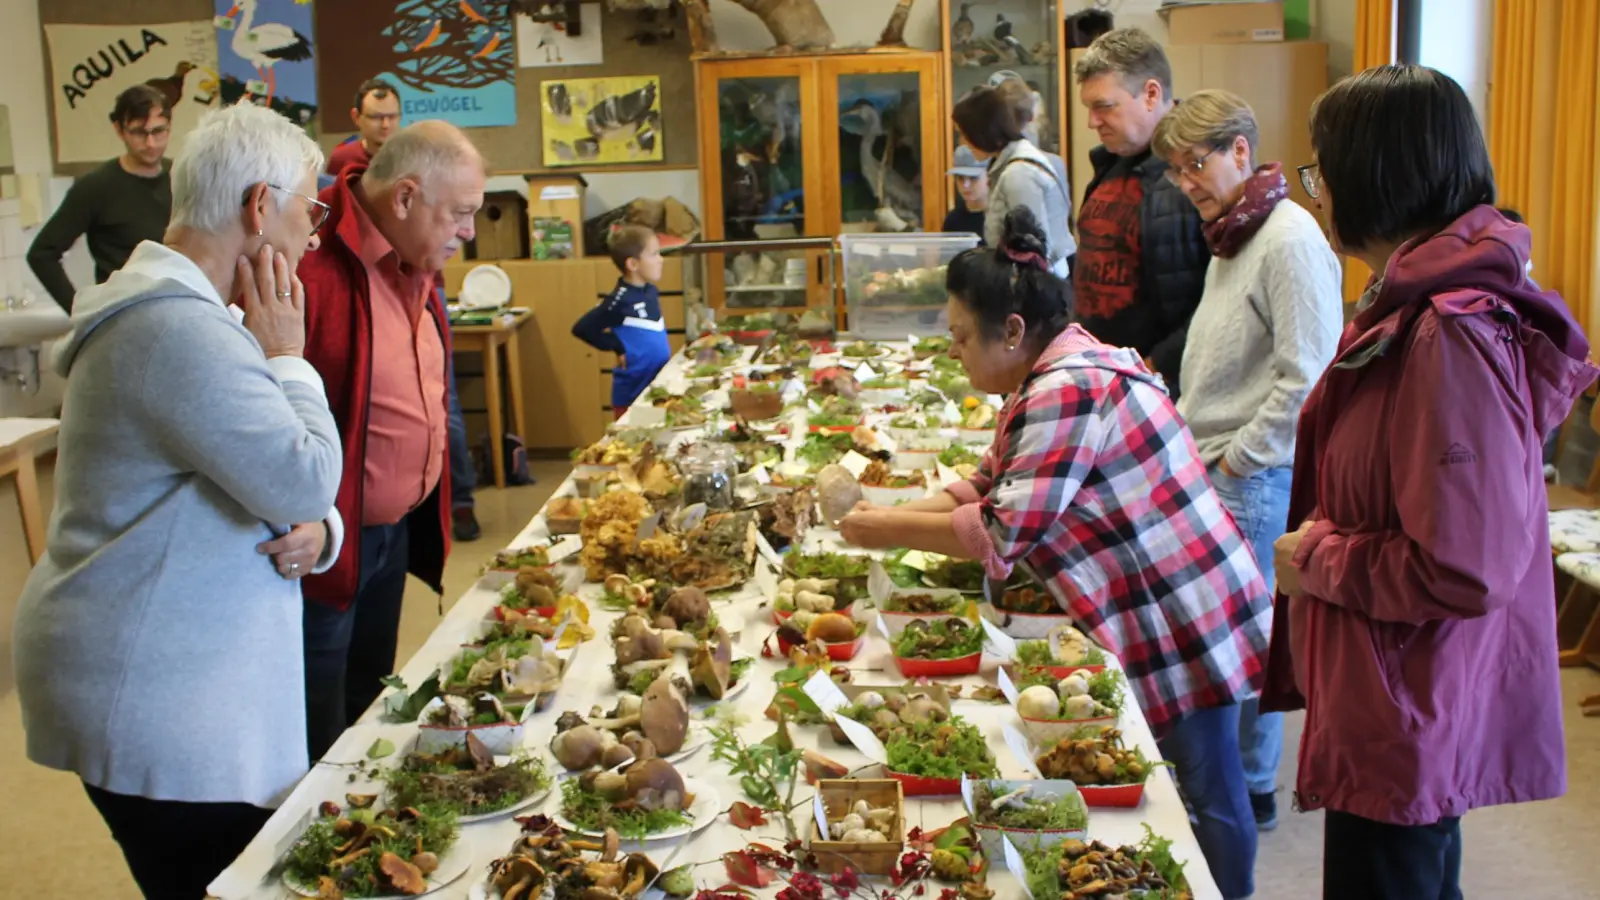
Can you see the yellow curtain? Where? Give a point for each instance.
(1374, 47)
(1544, 60)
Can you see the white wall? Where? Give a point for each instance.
(1456, 40)
(22, 90)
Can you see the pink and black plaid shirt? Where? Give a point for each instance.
(1093, 484)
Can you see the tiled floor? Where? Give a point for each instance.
(52, 845)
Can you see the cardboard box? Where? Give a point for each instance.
(1223, 22)
(502, 228)
(558, 200)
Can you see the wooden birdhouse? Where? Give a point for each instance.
(502, 226)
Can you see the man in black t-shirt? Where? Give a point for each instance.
(124, 201)
(972, 181)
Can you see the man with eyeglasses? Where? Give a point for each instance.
(376, 115)
(124, 201)
(1142, 255)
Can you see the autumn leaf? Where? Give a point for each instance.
(745, 816)
(744, 870)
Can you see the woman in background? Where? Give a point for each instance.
(1420, 547)
(158, 641)
(972, 183)
(1263, 332)
(1020, 175)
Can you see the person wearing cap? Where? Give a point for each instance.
(972, 182)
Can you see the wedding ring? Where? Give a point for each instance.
(293, 568)
(286, 293)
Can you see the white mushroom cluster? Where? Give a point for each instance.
(863, 824)
(808, 597)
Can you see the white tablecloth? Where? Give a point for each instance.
(588, 683)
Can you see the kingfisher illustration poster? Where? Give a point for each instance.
(449, 59)
(595, 121)
(91, 64)
(266, 53)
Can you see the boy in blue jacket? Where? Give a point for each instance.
(629, 322)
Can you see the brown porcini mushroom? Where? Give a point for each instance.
(655, 784)
(664, 716)
(687, 604)
(401, 875)
(713, 665)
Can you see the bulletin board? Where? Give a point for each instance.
(99, 12)
(520, 147)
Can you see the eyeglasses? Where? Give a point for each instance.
(319, 210)
(145, 134)
(1193, 168)
(1311, 180)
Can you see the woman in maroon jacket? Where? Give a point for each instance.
(1415, 619)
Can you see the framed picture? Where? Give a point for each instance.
(600, 121)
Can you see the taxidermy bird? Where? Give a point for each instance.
(893, 191)
(172, 86)
(1002, 33)
(961, 28)
(264, 45)
(614, 115)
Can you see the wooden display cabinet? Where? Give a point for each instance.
(1023, 37)
(814, 146)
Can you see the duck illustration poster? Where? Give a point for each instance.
(590, 121)
(454, 60)
(91, 64)
(266, 52)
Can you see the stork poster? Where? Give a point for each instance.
(265, 48)
(91, 64)
(588, 121)
(449, 59)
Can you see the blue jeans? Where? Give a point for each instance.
(1260, 505)
(463, 475)
(1203, 748)
(348, 650)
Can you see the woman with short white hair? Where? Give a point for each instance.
(158, 640)
(1266, 328)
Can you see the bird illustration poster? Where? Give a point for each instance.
(588, 121)
(91, 64)
(266, 53)
(454, 60)
(547, 41)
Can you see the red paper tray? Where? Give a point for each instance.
(1121, 796)
(918, 786)
(933, 668)
(841, 651)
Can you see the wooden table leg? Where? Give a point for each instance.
(491, 390)
(33, 527)
(514, 375)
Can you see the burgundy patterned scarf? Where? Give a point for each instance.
(1263, 190)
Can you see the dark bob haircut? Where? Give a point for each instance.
(988, 119)
(1401, 154)
(994, 284)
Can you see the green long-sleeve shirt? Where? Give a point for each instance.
(116, 210)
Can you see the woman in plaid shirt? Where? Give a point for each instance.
(1094, 485)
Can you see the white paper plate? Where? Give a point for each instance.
(485, 287)
(452, 865)
(706, 808)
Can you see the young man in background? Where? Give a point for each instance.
(376, 115)
(124, 201)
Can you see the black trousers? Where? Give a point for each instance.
(173, 848)
(1367, 860)
(347, 651)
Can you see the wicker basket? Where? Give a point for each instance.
(839, 795)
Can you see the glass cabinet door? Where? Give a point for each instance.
(761, 167)
(879, 145)
(990, 40)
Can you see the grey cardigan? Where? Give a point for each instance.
(1022, 175)
(158, 654)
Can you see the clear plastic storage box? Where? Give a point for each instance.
(894, 283)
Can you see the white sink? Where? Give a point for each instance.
(31, 323)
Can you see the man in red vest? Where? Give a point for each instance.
(377, 333)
